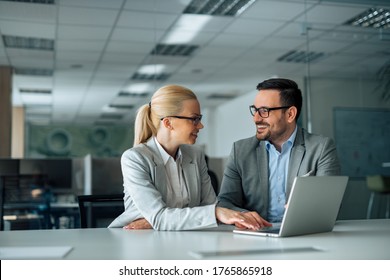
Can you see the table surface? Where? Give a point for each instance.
(352, 240)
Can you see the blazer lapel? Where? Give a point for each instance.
(159, 174)
(297, 153)
(189, 173)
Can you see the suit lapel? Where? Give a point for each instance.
(297, 153)
(189, 173)
(159, 174)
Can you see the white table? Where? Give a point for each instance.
(353, 240)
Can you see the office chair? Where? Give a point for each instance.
(378, 184)
(97, 211)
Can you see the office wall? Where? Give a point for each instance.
(330, 93)
(226, 124)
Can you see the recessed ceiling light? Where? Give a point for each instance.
(28, 43)
(37, 99)
(218, 8)
(300, 56)
(174, 49)
(151, 69)
(50, 2)
(221, 96)
(33, 72)
(132, 94)
(373, 17)
(120, 106)
(35, 91)
(186, 28)
(150, 77)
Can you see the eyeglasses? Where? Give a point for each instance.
(264, 111)
(195, 120)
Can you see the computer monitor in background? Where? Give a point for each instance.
(58, 172)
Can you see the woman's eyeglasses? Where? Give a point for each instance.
(195, 120)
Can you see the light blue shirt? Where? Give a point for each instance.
(278, 170)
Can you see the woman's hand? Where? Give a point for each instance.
(250, 220)
(139, 224)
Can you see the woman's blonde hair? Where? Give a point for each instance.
(166, 101)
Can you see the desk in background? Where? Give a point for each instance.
(353, 240)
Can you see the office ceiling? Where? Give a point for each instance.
(87, 61)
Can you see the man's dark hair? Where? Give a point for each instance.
(290, 94)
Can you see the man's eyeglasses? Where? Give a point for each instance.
(195, 120)
(264, 111)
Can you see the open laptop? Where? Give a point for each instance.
(313, 207)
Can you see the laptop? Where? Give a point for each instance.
(313, 207)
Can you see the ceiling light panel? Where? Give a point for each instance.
(132, 94)
(35, 91)
(28, 43)
(218, 7)
(300, 57)
(36, 99)
(373, 17)
(174, 49)
(121, 106)
(33, 72)
(150, 77)
(151, 69)
(50, 2)
(186, 29)
(221, 96)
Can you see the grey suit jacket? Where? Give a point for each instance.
(145, 190)
(245, 181)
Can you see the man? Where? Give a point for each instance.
(261, 169)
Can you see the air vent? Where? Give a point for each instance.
(300, 57)
(150, 77)
(132, 94)
(374, 18)
(50, 2)
(218, 7)
(119, 106)
(35, 91)
(221, 96)
(28, 43)
(174, 49)
(33, 72)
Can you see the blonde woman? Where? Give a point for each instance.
(166, 184)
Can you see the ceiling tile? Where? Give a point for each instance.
(87, 16)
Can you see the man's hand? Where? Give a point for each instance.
(250, 220)
(139, 224)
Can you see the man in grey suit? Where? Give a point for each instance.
(261, 169)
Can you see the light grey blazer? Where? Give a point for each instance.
(245, 181)
(145, 190)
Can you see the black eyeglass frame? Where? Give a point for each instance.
(195, 120)
(265, 110)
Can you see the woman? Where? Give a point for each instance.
(166, 184)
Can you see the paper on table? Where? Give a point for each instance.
(233, 253)
(28, 253)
